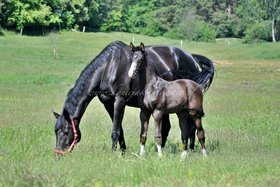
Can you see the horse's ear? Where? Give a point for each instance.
(142, 46)
(131, 46)
(56, 115)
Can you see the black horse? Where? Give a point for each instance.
(182, 96)
(107, 77)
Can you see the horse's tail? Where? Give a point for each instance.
(205, 77)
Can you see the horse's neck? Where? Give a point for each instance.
(76, 104)
(83, 91)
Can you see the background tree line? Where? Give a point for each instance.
(199, 20)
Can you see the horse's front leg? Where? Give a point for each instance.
(119, 106)
(185, 132)
(110, 109)
(158, 123)
(144, 117)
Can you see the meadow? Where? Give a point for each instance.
(241, 123)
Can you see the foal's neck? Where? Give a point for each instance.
(151, 76)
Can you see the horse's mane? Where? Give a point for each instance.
(83, 83)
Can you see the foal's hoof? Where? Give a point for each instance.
(142, 154)
(204, 152)
(142, 151)
(184, 155)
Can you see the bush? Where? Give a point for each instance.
(2, 32)
(258, 32)
(175, 33)
(204, 32)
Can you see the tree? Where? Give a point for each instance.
(188, 23)
(30, 13)
(19, 13)
(73, 12)
(272, 7)
(114, 18)
(94, 20)
(1, 15)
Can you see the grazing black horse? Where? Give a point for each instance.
(107, 77)
(183, 97)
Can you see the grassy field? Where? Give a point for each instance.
(242, 118)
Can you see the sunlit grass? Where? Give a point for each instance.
(242, 118)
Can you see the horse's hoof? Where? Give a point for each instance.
(184, 155)
(204, 152)
(123, 154)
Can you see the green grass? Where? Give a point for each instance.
(242, 118)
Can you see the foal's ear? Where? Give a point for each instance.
(131, 46)
(142, 46)
(56, 115)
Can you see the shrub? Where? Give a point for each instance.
(175, 33)
(204, 32)
(258, 32)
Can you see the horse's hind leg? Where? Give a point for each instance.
(144, 117)
(110, 109)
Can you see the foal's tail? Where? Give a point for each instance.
(205, 77)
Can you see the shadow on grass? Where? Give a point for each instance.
(213, 145)
(176, 147)
(2, 33)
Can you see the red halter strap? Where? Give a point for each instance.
(74, 141)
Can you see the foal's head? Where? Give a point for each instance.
(138, 59)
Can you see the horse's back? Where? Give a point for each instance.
(172, 58)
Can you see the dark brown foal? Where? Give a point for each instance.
(183, 97)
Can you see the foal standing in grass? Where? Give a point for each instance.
(183, 97)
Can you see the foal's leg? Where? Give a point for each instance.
(110, 109)
(185, 132)
(144, 117)
(119, 106)
(192, 125)
(158, 123)
(200, 133)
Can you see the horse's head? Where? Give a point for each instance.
(138, 59)
(67, 134)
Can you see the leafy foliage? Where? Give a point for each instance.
(258, 32)
(204, 32)
(194, 20)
